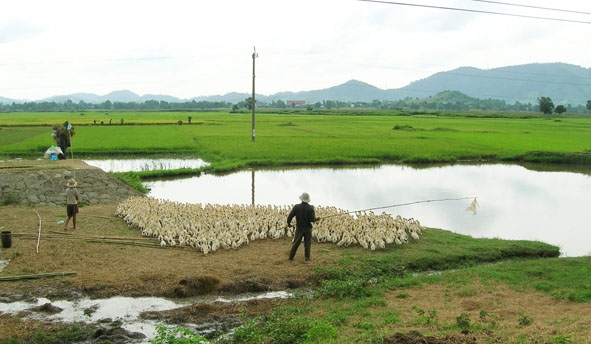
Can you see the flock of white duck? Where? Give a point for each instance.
(211, 227)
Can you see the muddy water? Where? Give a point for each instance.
(125, 310)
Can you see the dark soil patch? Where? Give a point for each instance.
(414, 337)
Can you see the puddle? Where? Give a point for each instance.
(125, 310)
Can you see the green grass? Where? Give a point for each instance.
(349, 301)
(225, 139)
(437, 250)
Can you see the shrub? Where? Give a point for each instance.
(11, 198)
(284, 329)
(463, 321)
(525, 320)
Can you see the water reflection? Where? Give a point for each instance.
(515, 202)
(137, 165)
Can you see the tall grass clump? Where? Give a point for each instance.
(132, 179)
(10, 199)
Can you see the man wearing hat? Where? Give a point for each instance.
(304, 214)
(71, 203)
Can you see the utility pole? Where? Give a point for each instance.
(252, 185)
(254, 56)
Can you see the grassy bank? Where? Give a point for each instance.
(352, 301)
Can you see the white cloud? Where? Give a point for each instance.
(192, 48)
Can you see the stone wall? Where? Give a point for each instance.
(48, 187)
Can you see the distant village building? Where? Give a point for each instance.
(295, 103)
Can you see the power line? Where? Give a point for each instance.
(536, 7)
(477, 11)
(523, 80)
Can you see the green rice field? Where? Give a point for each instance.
(226, 139)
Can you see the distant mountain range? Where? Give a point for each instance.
(563, 83)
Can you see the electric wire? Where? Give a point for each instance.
(428, 92)
(523, 80)
(477, 11)
(531, 6)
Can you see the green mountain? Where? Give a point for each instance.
(563, 83)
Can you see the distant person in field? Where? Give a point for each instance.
(305, 215)
(63, 137)
(71, 203)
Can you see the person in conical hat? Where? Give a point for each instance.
(71, 203)
(305, 216)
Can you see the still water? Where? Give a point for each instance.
(514, 202)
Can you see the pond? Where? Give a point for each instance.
(514, 202)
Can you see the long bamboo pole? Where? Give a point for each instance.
(39, 235)
(401, 204)
(35, 276)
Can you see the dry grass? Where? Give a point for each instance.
(106, 267)
(497, 307)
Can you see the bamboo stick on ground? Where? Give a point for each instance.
(39, 236)
(35, 276)
(143, 242)
(102, 217)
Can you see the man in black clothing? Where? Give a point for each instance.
(304, 214)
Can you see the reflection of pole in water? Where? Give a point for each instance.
(252, 185)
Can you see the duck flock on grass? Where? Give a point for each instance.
(209, 227)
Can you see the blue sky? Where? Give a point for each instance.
(200, 48)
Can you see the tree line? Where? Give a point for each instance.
(443, 101)
(546, 106)
(69, 105)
